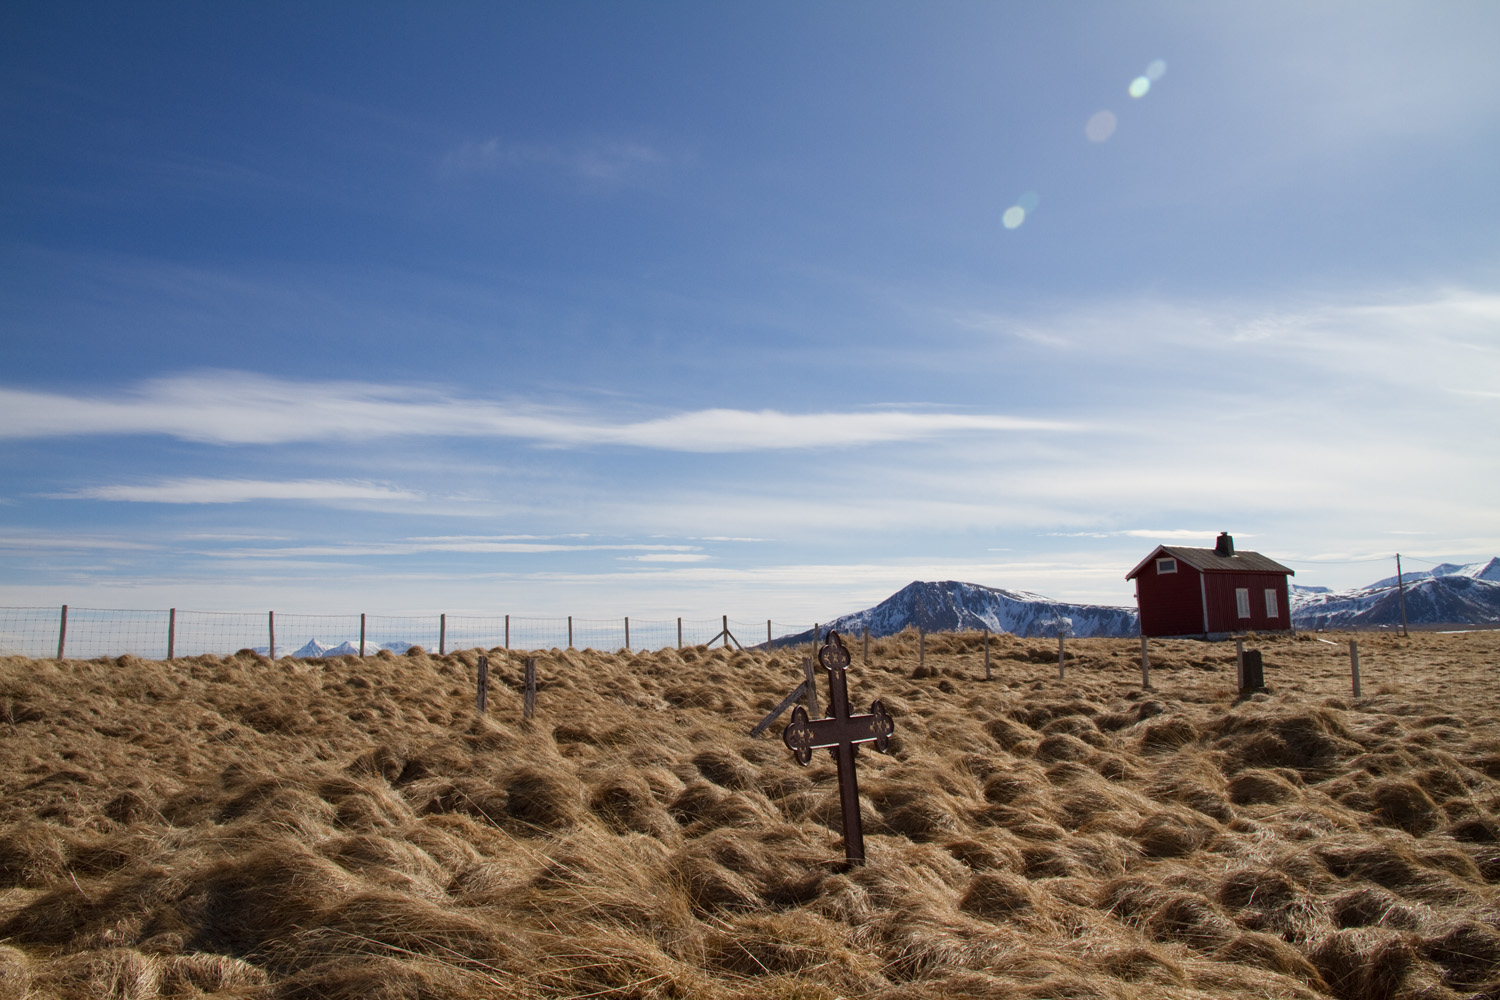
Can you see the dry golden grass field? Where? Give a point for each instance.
(236, 827)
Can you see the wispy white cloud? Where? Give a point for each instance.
(201, 490)
(606, 160)
(264, 410)
(415, 546)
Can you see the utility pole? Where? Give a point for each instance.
(1401, 587)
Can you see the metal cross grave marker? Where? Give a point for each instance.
(841, 733)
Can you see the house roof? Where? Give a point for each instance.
(1209, 561)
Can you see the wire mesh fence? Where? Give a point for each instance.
(88, 633)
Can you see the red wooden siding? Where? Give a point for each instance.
(1170, 603)
(1223, 615)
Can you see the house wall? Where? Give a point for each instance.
(1170, 603)
(1223, 613)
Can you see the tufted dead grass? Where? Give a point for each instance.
(237, 827)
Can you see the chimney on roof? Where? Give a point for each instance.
(1225, 545)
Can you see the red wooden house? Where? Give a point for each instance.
(1184, 591)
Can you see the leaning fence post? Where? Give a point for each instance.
(361, 633)
(481, 698)
(62, 632)
(171, 632)
(812, 688)
(442, 634)
(986, 652)
(271, 622)
(1145, 664)
(1354, 664)
(528, 706)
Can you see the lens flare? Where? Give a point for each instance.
(1139, 86)
(1029, 201)
(1100, 126)
(1013, 217)
(1156, 70)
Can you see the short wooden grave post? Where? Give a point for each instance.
(481, 698)
(1354, 665)
(840, 733)
(528, 706)
(867, 644)
(1145, 664)
(811, 680)
(1239, 663)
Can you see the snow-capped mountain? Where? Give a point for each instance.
(952, 606)
(1444, 595)
(1479, 571)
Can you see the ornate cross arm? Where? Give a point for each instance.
(803, 735)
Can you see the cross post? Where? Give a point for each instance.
(841, 733)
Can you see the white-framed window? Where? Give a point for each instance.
(1166, 565)
(1242, 601)
(1270, 603)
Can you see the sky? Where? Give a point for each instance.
(762, 309)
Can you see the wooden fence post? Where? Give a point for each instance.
(481, 698)
(361, 633)
(768, 633)
(679, 633)
(528, 706)
(1354, 664)
(570, 634)
(271, 622)
(442, 634)
(507, 631)
(62, 632)
(816, 626)
(171, 632)
(726, 631)
(627, 633)
(1145, 664)
(986, 652)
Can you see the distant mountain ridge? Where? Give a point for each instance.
(1444, 595)
(951, 606)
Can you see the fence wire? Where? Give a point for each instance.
(88, 633)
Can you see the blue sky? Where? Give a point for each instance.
(767, 309)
